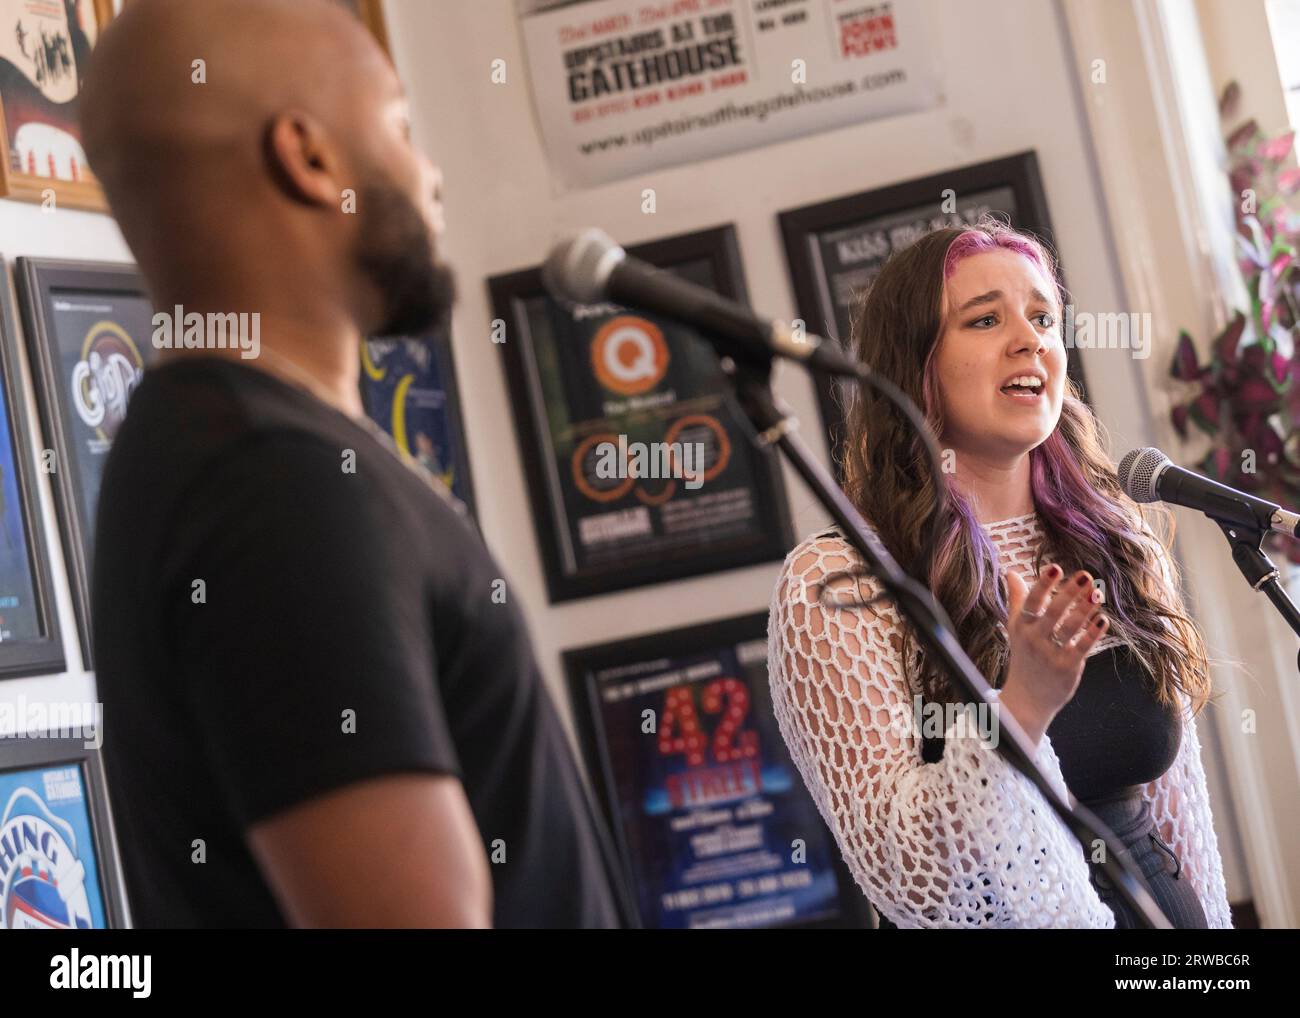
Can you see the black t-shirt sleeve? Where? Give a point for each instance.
(305, 654)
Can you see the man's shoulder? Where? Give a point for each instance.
(189, 416)
(211, 400)
(227, 434)
(219, 447)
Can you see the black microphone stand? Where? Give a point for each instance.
(750, 371)
(1247, 545)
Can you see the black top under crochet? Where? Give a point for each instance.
(1112, 738)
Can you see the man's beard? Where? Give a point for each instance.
(396, 253)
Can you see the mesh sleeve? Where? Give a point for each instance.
(1180, 806)
(963, 842)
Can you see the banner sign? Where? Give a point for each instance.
(626, 86)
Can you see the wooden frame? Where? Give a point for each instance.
(87, 194)
(39, 753)
(555, 490)
(371, 12)
(39, 280)
(43, 655)
(74, 194)
(637, 811)
(919, 199)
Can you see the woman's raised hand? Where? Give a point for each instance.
(1050, 628)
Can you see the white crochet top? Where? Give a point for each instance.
(922, 839)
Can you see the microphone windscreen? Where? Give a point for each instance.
(578, 267)
(1137, 473)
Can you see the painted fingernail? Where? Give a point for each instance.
(1053, 572)
(1082, 581)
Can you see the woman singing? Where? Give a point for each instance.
(1089, 645)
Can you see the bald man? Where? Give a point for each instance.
(322, 705)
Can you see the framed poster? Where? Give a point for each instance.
(408, 387)
(58, 869)
(89, 332)
(371, 13)
(640, 467)
(45, 47)
(835, 248)
(713, 823)
(30, 643)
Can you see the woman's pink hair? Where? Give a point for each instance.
(974, 242)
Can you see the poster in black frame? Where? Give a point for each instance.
(89, 329)
(577, 399)
(30, 641)
(409, 388)
(835, 248)
(71, 800)
(712, 771)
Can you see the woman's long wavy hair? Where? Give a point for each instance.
(1088, 521)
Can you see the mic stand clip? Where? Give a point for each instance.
(1247, 544)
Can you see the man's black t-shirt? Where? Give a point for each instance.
(283, 607)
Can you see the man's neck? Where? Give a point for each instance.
(323, 359)
(334, 383)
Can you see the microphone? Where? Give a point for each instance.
(589, 268)
(1148, 475)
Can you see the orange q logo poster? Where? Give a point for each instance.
(639, 468)
(629, 355)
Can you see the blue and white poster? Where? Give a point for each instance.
(19, 618)
(408, 388)
(49, 875)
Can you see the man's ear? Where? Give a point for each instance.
(303, 160)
